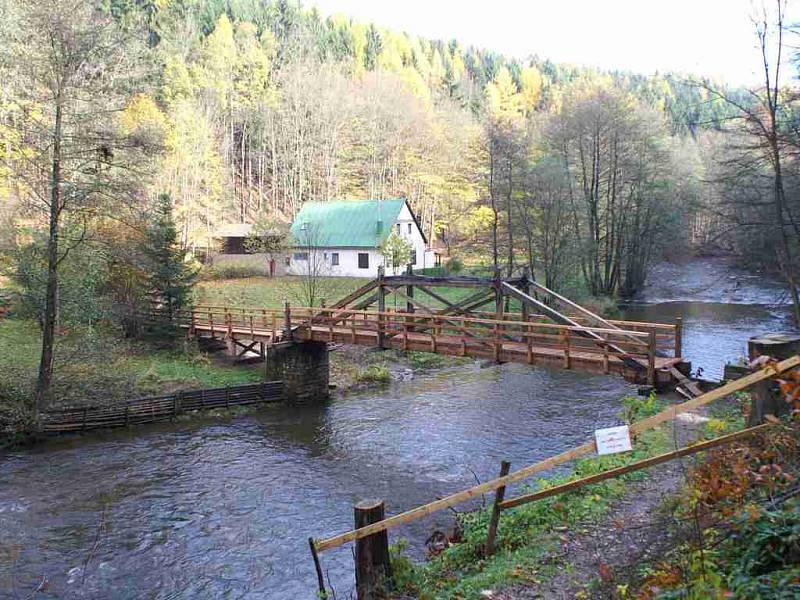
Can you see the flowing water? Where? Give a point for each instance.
(210, 509)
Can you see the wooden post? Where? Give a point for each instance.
(227, 396)
(605, 353)
(678, 337)
(274, 327)
(194, 323)
(525, 288)
(651, 359)
(765, 398)
(373, 568)
(567, 358)
(409, 290)
(287, 321)
(381, 307)
(494, 521)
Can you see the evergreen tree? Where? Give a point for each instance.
(170, 279)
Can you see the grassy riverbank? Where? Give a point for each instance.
(723, 524)
(530, 535)
(97, 367)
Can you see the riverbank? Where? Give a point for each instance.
(96, 367)
(721, 524)
(99, 368)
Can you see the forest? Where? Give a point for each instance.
(239, 111)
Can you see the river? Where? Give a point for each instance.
(207, 509)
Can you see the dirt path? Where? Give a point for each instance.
(594, 558)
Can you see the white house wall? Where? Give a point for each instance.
(348, 257)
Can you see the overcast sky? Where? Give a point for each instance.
(706, 37)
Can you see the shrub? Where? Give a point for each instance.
(454, 265)
(374, 374)
(231, 270)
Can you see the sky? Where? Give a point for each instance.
(703, 37)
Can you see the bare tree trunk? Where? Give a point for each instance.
(44, 383)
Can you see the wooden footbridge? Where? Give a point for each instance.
(547, 329)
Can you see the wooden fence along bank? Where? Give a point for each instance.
(373, 571)
(159, 408)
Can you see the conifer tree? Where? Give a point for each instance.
(170, 277)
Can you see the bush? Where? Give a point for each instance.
(374, 374)
(454, 265)
(231, 270)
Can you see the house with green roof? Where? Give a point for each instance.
(341, 238)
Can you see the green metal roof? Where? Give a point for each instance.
(345, 223)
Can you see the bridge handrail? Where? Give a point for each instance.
(322, 315)
(256, 310)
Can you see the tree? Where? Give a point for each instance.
(170, 278)
(73, 67)
(763, 136)
(313, 264)
(396, 252)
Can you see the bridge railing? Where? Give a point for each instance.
(477, 334)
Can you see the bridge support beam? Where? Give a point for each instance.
(304, 369)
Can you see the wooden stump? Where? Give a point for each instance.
(373, 568)
(766, 398)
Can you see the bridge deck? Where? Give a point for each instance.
(636, 352)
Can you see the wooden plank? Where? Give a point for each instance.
(554, 461)
(356, 294)
(636, 466)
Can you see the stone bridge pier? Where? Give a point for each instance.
(303, 367)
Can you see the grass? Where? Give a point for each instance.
(528, 534)
(97, 367)
(265, 292)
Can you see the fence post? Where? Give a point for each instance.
(494, 521)
(567, 357)
(678, 337)
(373, 569)
(651, 359)
(227, 395)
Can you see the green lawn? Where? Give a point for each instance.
(100, 368)
(263, 292)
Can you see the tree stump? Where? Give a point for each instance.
(373, 569)
(766, 398)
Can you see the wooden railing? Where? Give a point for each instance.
(448, 334)
(667, 336)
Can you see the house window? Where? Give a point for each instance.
(288, 260)
(409, 229)
(301, 256)
(413, 257)
(334, 258)
(398, 229)
(363, 260)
